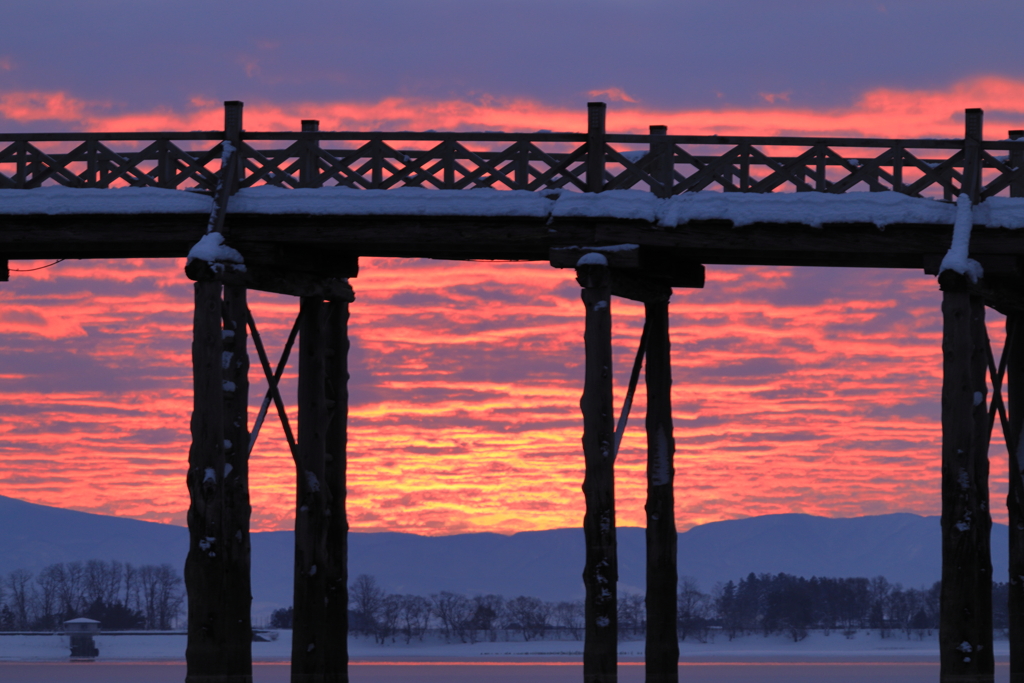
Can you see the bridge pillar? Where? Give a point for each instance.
(601, 573)
(1015, 498)
(320, 627)
(219, 646)
(217, 580)
(662, 647)
(965, 628)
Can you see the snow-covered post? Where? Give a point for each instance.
(662, 651)
(601, 574)
(965, 627)
(217, 572)
(320, 628)
(595, 145)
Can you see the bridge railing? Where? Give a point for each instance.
(663, 164)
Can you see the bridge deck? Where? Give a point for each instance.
(884, 229)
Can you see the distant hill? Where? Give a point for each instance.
(904, 548)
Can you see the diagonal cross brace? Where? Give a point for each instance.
(273, 378)
(633, 379)
(997, 406)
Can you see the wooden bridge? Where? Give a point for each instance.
(636, 215)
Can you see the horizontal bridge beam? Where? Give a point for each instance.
(273, 236)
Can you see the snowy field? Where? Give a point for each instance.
(833, 658)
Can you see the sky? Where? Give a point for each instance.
(796, 389)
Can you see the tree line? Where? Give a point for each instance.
(782, 603)
(760, 603)
(121, 595)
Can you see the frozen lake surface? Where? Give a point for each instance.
(805, 672)
(833, 658)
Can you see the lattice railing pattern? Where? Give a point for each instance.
(663, 164)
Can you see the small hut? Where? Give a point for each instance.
(82, 632)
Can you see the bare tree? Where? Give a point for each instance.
(527, 615)
(692, 609)
(414, 616)
(631, 613)
(486, 610)
(18, 590)
(366, 598)
(569, 616)
(94, 582)
(390, 613)
(46, 597)
(131, 587)
(162, 597)
(112, 589)
(454, 611)
(70, 583)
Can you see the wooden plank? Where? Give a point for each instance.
(320, 630)
(219, 647)
(662, 646)
(601, 573)
(965, 632)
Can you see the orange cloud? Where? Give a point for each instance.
(793, 392)
(613, 94)
(880, 112)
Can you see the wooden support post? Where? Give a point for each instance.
(217, 578)
(219, 646)
(1015, 499)
(595, 145)
(965, 627)
(662, 652)
(601, 574)
(320, 628)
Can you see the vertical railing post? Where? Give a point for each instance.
(320, 627)
(1016, 161)
(164, 165)
(233, 134)
(661, 152)
(972, 153)
(601, 574)
(522, 165)
(662, 648)
(308, 168)
(595, 145)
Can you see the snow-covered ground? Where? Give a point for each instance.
(817, 647)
